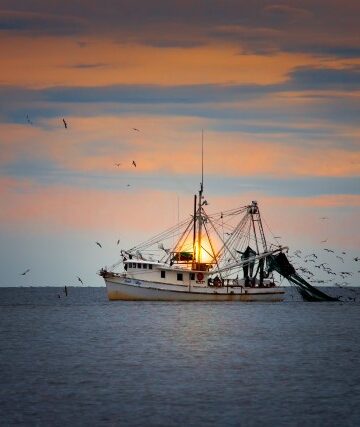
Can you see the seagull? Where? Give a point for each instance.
(137, 130)
(356, 258)
(323, 264)
(80, 280)
(310, 255)
(117, 164)
(134, 163)
(26, 271)
(328, 250)
(324, 241)
(65, 124)
(118, 242)
(341, 258)
(161, 246)
(98, 244)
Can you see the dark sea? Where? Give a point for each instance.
(81, 360)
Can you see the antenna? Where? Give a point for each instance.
(202, 158)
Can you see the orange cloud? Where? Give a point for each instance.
(51, 61)
(64, 208)
(171, 145)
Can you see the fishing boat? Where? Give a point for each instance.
(222, 256)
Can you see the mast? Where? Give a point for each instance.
(256, 217)
(199, 218)
(202, 159)
(194, 234)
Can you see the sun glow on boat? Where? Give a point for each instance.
(204, 253)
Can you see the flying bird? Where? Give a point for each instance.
(99, 244)
(324, 241)
(324, 217)
(26, 271)
(65, 124)
(324, 264)
(134, 163)
(161, 246)
(80, 280)
(117, 164)
(118, 242)
(356, 258)
(137, 130)
(339, 257)
(328, 250)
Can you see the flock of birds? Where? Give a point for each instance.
(299, 259)
(133, 163)
(78, 277)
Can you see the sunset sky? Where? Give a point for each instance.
(274, 84)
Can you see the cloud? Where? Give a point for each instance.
(309, 78)
(165, 146)
(38, 23)
(60, 209)
(298, 79)
(90, 65)
(283, 13)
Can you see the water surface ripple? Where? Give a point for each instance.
(81, 360)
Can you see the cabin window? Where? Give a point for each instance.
(192, 276)
(162, 274)
(129, 265)
(134, 265)
(179, 276)
(144, 265)
(139, 265)
(150, 266)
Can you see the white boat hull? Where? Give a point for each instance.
(120, 288)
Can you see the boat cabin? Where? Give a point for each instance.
(163, 273)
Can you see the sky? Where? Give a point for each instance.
(275, 85)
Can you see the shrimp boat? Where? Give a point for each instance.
(214, 257)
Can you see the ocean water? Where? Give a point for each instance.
(82, 360)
